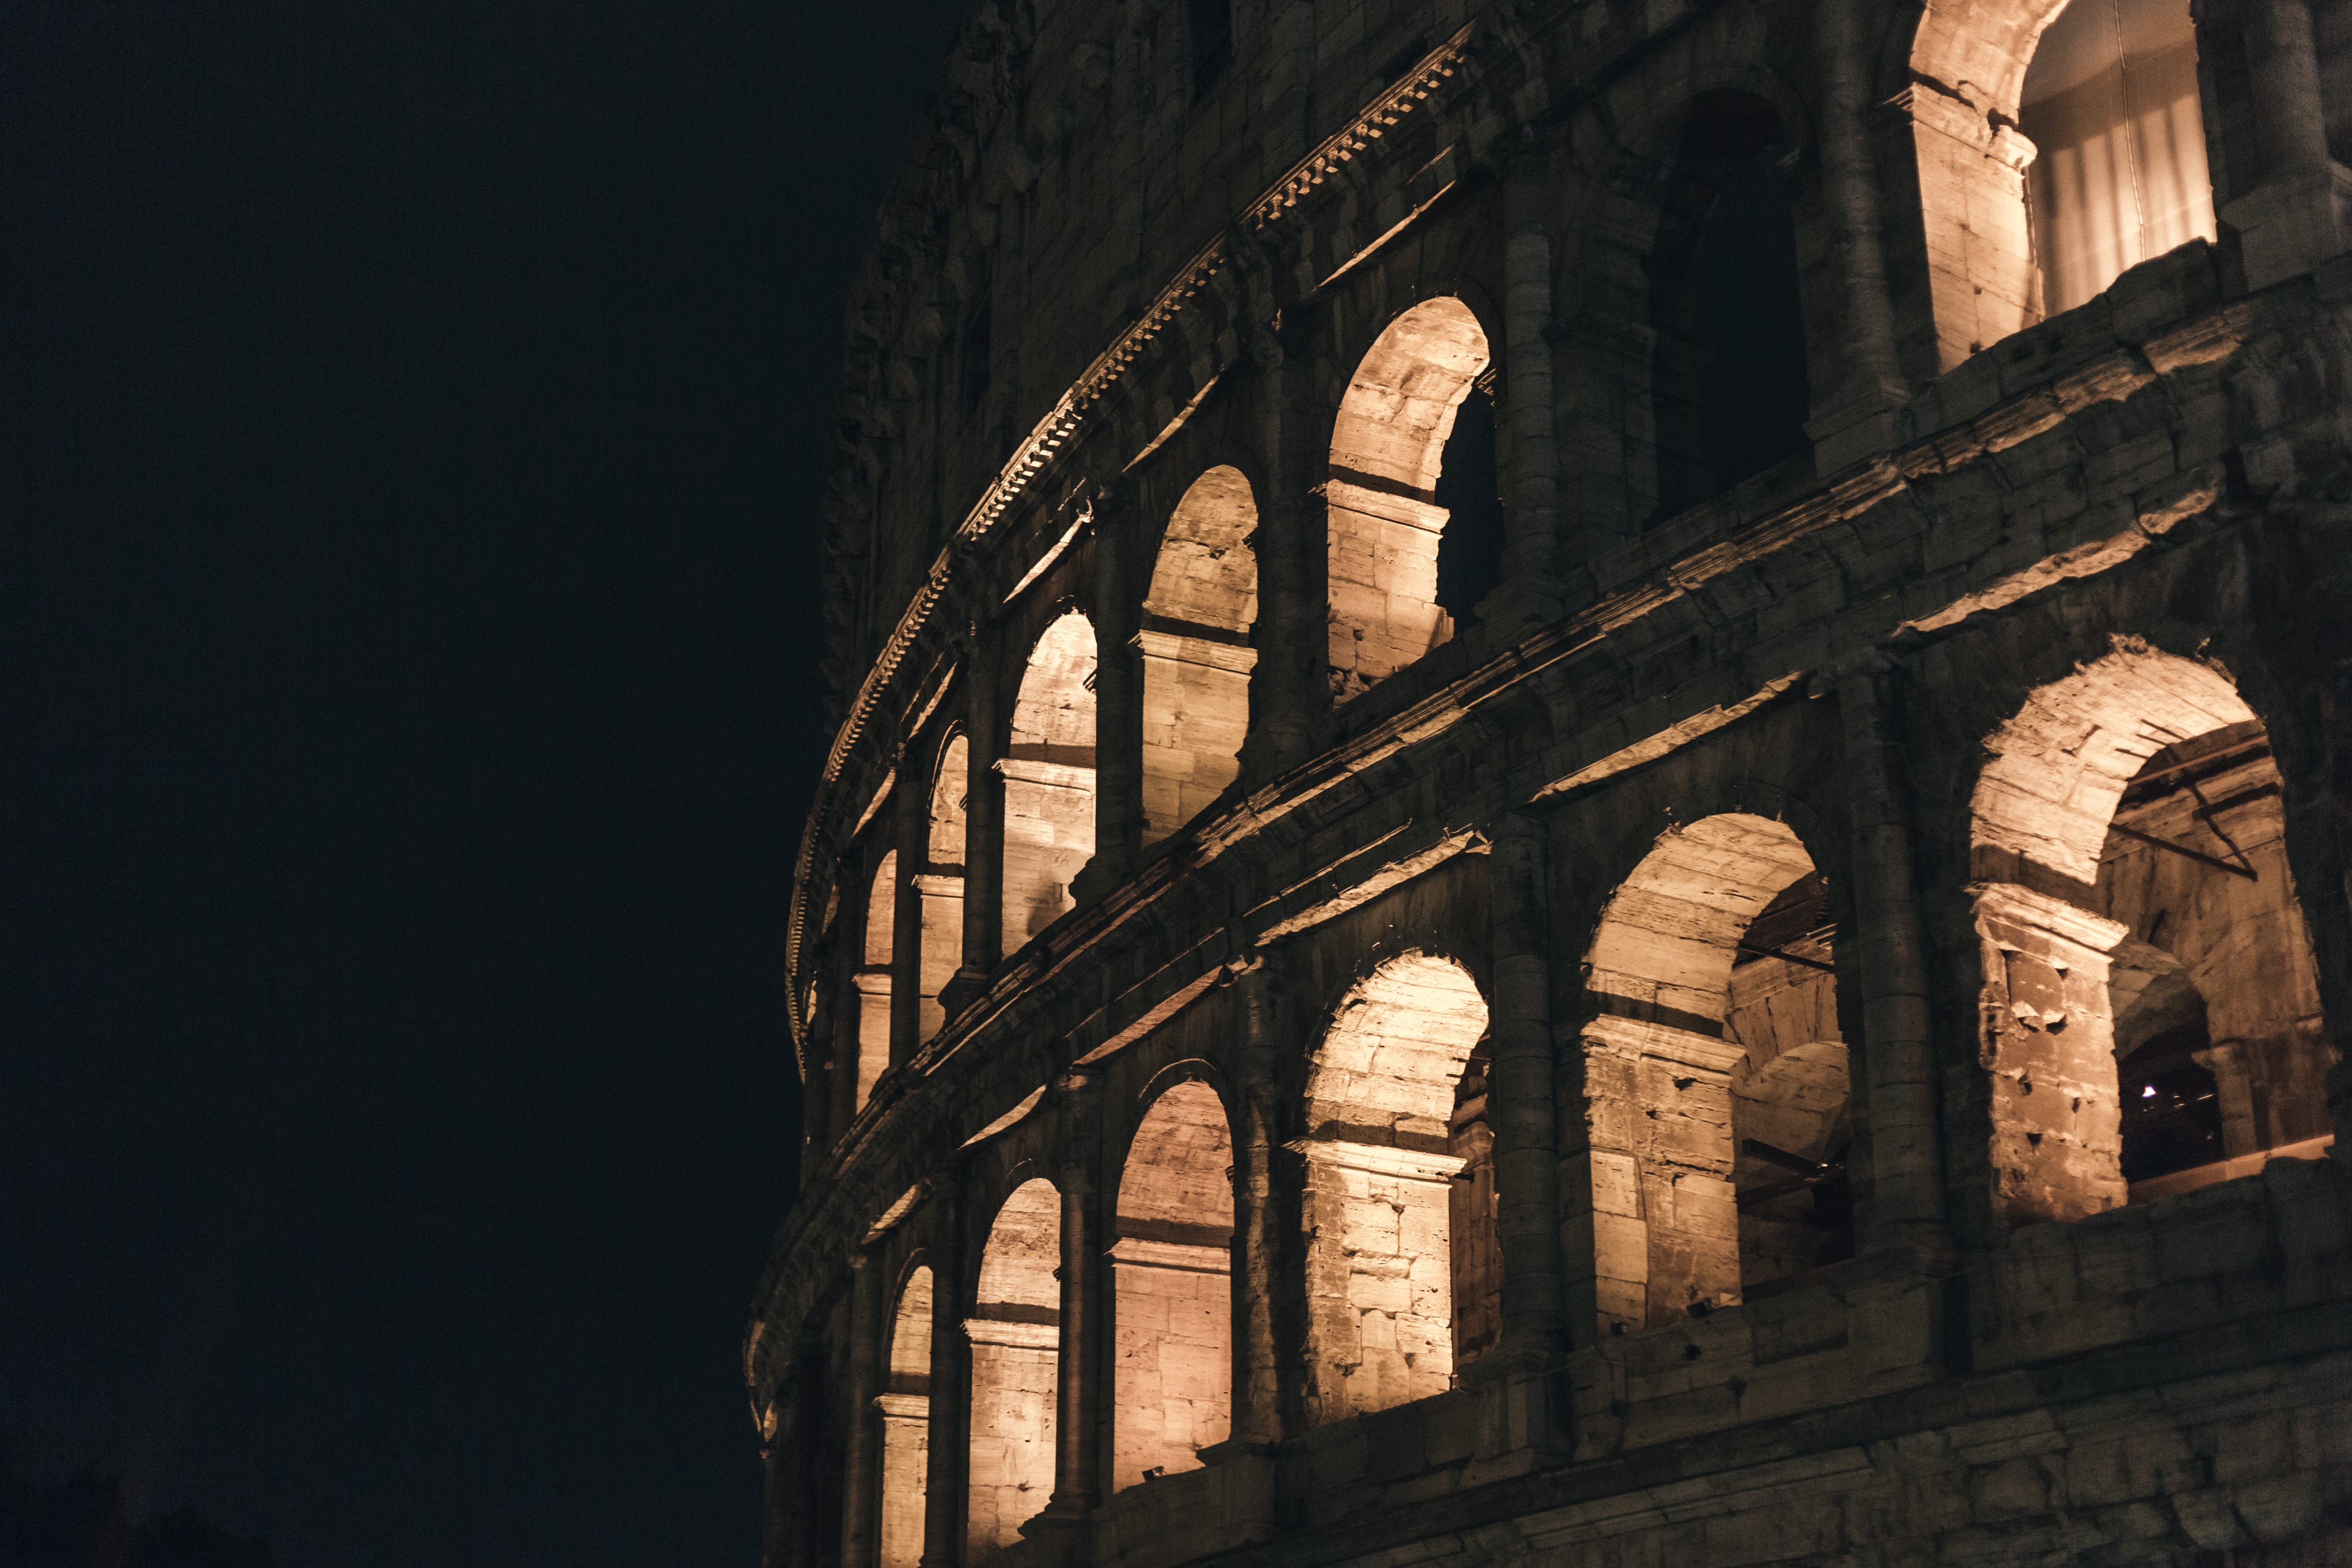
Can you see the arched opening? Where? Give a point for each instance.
(906, 1406)
(1049, 779)
(2140, 938)
(1173, 1261)
(941, 882)
(1730, 378)
(1379, 1210)
(1383, 517)
(1197, 656)
(2056, 145)
(2110, 104)
(872, 977)
(1470, 488)
(1016, 1337)
(1715, 1077)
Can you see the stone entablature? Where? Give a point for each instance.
(1663, 1062)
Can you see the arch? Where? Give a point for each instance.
(906, 1407)
(872, 977)
(1197, 656)
(1715, 1077)
(1382, 1093)
(2131, 890)
(1016, 1333)
(1049, 779)
(1172, 1272)
(940, 883)
(1729, 382)
(1984, 106)
(1388, 445)
(2110, 103)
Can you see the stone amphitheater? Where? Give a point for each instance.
(1592, 797)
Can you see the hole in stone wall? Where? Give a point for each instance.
(2133, 893)
(2213, 993)
(1383, 1249)
(1016, 1333)
(1470, 551)
(941, 883)
(2111, 105)
(1172, 1267)
(873, 979)
(1753, 392)
(1729, 385)
(1383, 519)
(1049, 779)
(1196, 653)
(905, 1408)
(1714, 1074)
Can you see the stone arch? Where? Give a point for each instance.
(940, 881)
(1382, 1092)
(1383, 522)
(2126, 841)
(1197, 656)
(1984, 113)
(1016, 1333)
(1172, 1265)
(1715, 1076)
(1049, 779)
(905, 1404)
(872, 976)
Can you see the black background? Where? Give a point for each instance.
(407, 600)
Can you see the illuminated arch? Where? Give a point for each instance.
(940, 883)
(1388, 447)
(1381, 1096)
(1196, 653)
(1049, 779)
(1172, 1259)
(1712, 1048)
(906, 1407)
(872, 977)
(1016, 1333)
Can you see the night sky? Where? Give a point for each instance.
(409, 440)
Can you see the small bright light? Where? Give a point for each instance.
(2149, 1093)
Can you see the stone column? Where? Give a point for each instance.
(1077, 1380)
(950, 1408)
(984, 846)
(1118, 700)
(861, 1493)
(1906, 1196)
(776, 1487)
(1530, 587)
(1520, 1103)
(2294, 218)
(1856, 419)
(1288, 688)
(1258, 1240)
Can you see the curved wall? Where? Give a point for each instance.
(1653, 1064)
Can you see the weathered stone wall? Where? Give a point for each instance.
(1634, 1073)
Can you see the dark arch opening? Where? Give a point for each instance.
(1752, 403)
(1729, 381)
(1469, 486)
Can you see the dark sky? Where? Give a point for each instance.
(408, 705)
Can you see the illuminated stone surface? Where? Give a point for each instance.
(1799, 1028)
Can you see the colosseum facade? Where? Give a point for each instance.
(1592, 802)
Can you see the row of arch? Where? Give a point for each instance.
(2152, 1023)
(2101, 166)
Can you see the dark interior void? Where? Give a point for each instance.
(1728, 382)
(1470, 551)
(2171, 1106)
(1753, 394)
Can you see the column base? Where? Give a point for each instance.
(963, 988)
